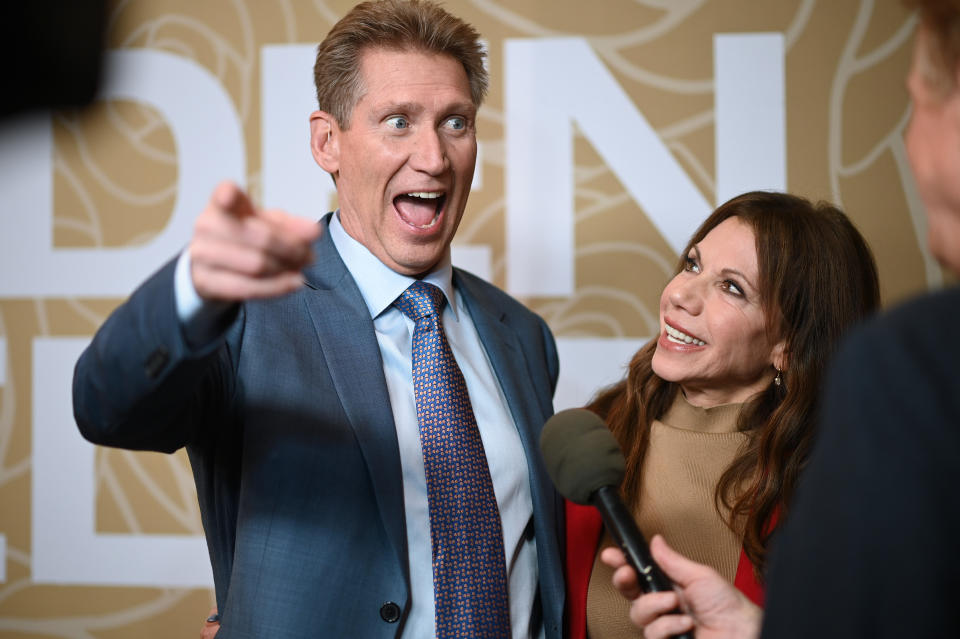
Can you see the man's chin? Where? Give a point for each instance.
(416, 263)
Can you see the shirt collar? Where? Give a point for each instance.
(378, 283)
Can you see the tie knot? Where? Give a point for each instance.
(420, 300)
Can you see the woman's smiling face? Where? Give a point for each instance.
(713, 330)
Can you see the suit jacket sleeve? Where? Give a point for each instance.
(140, 385)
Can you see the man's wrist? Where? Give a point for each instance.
(201, 320)
(752, 620)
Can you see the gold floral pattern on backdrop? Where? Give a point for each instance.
(115, 172)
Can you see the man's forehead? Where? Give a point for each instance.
(384, 71)
(373, 57)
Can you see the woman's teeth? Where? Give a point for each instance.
(679, 337)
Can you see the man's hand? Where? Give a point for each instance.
(240, 252)
(717, 610)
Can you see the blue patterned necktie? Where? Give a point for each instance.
(469, 568)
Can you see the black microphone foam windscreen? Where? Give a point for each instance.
(581, 454)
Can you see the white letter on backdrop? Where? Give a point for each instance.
(553, 82)
(66, 548)
(210, 147)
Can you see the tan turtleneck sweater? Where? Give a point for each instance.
(690, 447)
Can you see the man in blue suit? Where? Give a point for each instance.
(272, 350)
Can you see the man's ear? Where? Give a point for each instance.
(325, 141)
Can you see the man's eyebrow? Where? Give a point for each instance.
(415, 107)
(466, 107)
(402, 106)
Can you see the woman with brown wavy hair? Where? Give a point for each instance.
(716, 415)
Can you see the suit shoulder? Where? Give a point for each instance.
(491, 296)
(902, 356)
(911, 330)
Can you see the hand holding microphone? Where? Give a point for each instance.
(716, 609)
(586, 465)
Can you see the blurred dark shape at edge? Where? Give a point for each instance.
(53, 51)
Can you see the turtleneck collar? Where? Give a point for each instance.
(718, 419)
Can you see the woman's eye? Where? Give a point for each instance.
(457, 123)
(732, 287)
(690, 264)
(398, 122)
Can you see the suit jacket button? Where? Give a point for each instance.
(156, 361)
(390, 612)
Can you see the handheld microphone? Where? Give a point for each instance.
(586, 465)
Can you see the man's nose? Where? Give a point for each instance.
(429, 153)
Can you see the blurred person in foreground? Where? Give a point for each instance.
(362, 418)
(870, 548)
(716, 415)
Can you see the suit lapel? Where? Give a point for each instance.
(509, 361)
(349, 344)
(505, 348)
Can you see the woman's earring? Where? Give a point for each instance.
(777, 380)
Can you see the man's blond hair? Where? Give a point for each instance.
(401, 25)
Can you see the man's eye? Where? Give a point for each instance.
(457, 123)
(690, 264)
(398, 122)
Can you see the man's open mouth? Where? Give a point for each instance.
(420, 209)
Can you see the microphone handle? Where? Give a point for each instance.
(623, 529)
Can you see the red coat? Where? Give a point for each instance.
(584, 529)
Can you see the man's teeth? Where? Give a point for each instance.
(418, 213)
(682, 338)
(427, 225)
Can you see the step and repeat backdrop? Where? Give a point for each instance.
(611, 130)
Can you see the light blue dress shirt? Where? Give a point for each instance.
(380, 286)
